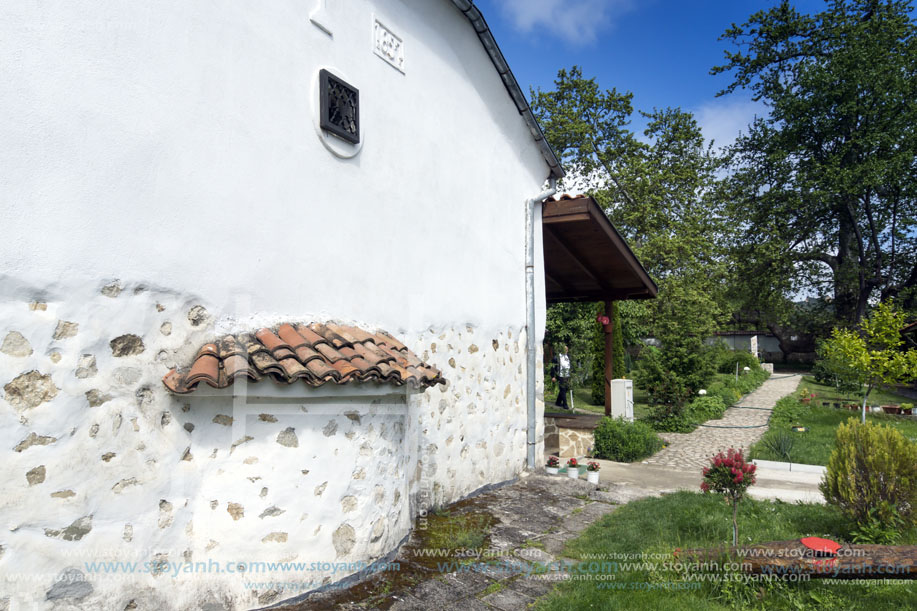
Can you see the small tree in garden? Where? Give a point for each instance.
(871, 477)
(874, 353)
(729, 475)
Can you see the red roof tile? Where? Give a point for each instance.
(315, 354)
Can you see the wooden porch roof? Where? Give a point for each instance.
(585, 258)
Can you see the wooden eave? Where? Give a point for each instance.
(585, 258)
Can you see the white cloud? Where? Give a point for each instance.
(576, 21)
(723, 118)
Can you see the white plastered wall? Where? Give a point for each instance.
(162, 157)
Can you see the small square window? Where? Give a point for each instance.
(340, 107)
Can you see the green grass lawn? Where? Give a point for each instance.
(647, 531)
(815, 445)
(829, 393)
(583, 399)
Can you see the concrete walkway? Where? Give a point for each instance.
(692, 451)
(773, 482)
(533, 519)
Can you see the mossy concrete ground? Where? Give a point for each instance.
(521, 530)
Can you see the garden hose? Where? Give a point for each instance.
(736, 426)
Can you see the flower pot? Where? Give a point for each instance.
(891, 409)
(907, 411)
(552, 470)
(572, 472)
(592, 476)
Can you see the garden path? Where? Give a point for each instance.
(692, 451)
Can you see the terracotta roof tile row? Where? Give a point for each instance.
(315, 353)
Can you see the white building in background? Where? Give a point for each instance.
(169, 180)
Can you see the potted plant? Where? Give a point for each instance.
(572, 468)
(907, 409)
(891, 409)
(592, 472)
(553, 465)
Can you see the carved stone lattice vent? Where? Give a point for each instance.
(340, 107)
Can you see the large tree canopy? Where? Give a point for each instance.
(658, 191)
(824, 188)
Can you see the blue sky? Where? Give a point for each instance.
(661, 50)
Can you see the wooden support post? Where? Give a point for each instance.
(609, 356)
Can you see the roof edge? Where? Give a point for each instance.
(473, 13)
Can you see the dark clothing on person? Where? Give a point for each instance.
(561, 372)
(563, 387)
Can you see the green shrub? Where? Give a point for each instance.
(788, 412)
(731, 390)
(669, 423)
(706, 408)
(726, 361)
(728, 395)
(780, 443)
(875, 530)
(871, 475)
(671, 376)
(623, 441)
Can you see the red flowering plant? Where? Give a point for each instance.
(553, 462)
(572, 464)
(729, 475)
(592, 466)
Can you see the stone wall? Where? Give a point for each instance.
(101, 463)
(473, 430)
(567, 442)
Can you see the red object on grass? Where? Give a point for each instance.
(821, 547)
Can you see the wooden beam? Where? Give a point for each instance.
(578, 259)
(792, 558)
(616, 295)
(564, 287)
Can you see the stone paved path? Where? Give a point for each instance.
(692, 451)
(534, 518)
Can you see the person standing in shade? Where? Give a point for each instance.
(562, 376)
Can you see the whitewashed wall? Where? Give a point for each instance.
(162, 180)
(173, 142)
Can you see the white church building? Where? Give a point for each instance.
(263, 291)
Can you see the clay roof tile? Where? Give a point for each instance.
(315, 354)
(312, 338)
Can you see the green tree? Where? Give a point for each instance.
(875, 353)
(660, 194)
(824, 188)
(572, 324)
